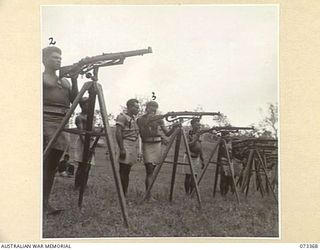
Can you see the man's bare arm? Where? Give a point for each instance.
(194, 140)
(79, 125)
(119, 136)
(166, 131)
(74, 89)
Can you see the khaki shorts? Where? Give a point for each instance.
(151, 152)
(131, 148)
(50, 125)
(77, 154)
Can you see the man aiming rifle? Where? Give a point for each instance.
(195, 146)
(151, 138)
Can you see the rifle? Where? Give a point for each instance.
(225, 129)
(173, 116)
(88, 63)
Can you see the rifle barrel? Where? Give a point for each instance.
(226, 129)
(190, 113)
(112, 56)
(65, 70)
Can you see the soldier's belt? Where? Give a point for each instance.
(55, 110)
(153, 139)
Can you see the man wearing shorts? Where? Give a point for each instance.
(127, 135)
(151, 138)
(57, 96)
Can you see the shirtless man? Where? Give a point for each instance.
(57, 96)
(151, 139)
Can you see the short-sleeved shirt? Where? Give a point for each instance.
(150, 131)
(129, 127)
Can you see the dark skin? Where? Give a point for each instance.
(131, 111)
(81, 123)
(196, 128)
(125, 168)
(151, 111)
(58, 92)
(188, 182)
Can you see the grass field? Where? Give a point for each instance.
(101, 216)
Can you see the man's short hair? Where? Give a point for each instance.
(131, 102)
(48, 50)
(152, 104)
(194, 120)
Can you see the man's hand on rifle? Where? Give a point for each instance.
(122, 153)
(74, 75)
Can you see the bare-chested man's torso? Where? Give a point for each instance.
(56, 91)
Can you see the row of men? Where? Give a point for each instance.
(58, 94)
(128, 129)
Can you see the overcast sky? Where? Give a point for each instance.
(221, 58)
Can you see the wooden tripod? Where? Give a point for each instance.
(221, 145)
(178, 133)
(95, 90)
(255, 163)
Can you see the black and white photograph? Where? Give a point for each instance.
(160, 121)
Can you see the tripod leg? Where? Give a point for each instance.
(206, 166)
(175, 163)
(267, 179)
(163, 157)
(86, 145)
(191, 166)
(251, 168)
(248, 182)
(83, 178)
(247, 172)
(265, 164)
(239, 182)
(259, 179)
(114, 162)
(217, 171)
(65, 120)
(231, 170)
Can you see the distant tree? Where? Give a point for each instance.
(98, 122)
(250, 133)
(222, 120)
(268, 127)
